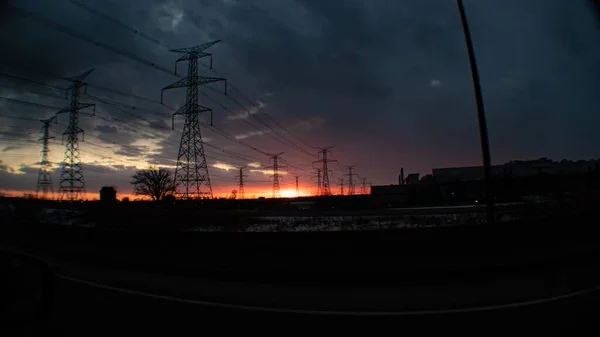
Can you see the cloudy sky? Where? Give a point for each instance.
(386, 82)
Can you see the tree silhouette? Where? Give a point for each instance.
(154, 183)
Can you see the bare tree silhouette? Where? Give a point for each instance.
(154, 183)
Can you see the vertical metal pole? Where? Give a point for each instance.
(483, 134)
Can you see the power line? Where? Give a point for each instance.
(289, 142)
(159, 43)
(31, 104)
(66, 30)
(32, 82)
(264, 113)
(118, 104)
(117, 22)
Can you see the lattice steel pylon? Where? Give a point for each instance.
(72, 184)
(297, 186)
(191, 177)
(363, 189)
(350, 175)
(318, 176)
(275, 158)
(325, 186)
(240, 176)
(44, 180)
(341, 185)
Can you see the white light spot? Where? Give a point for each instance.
(435, 83)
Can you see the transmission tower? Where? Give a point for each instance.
(325, 187)
(297, 187)
(191, 172)
(44, 181)
(318, 177)
(350, 176)
(341, 185)
(72, 185)
(240, 176)
(363, 189)
(275, 158)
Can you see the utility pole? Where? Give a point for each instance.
(325, 187)
(363, 189)
(483, 134)
(191, 178)
(318, 176)
(44, 181)
(341, 184)
(350, 179)
(72, 184)
(240, 176)
(275, 158)
(297, 188)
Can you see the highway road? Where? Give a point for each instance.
(99, 301)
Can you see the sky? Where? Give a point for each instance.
(385, 82)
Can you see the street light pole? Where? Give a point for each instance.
(483, 134)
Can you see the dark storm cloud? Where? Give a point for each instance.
(106, 129)
(131, 151)
(96, 176)
(10, 148)
(386, 81)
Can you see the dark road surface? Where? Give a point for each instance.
(84, 310)
(447, 281)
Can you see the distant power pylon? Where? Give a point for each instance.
(240, 176)
(350, 176)
(275, 158)
(363, 188)
(318, 177)
(341, 184)
(44, 181)
(297, 187)
(325, 187)
(191, 171)
(72, 184)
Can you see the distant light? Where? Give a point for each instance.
(476, 201)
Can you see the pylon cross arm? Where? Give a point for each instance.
(195, 49)
(193, 56)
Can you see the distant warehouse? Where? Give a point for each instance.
(465, 184)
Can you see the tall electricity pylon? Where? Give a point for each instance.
(350, 176)
(44, 181)
(297, 187)
(363, 189)
(341, 184)
(72, 184)
(325, 187)
(318, 177)
(191, 171)
(275, 158)
(240, 176)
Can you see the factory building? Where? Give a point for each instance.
(465, 184)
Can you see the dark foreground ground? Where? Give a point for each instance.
(83, 310)
(536, 278)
